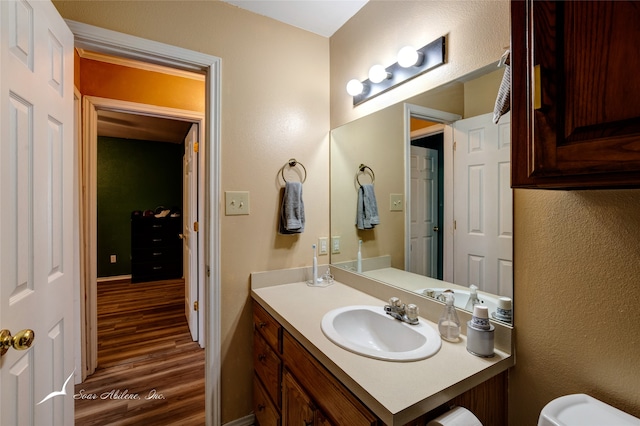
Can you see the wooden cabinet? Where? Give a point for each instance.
(575, 111)
(267, 366)
(292, 388)
(156, 248)
(291, 385)
(297, 406)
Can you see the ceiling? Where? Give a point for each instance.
(322, 17)
(141, 127)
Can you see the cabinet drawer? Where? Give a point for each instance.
(159, 254)
(270, 329)
(335, 401)
(267, 366)
(266, 413)
(148, 271)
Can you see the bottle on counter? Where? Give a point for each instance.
(449, 323)
(473, 298)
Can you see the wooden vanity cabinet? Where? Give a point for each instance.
(292, 388)
(267, 366)
(297, 406)
(575, 101)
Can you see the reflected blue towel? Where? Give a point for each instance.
(292, 212)
(367, 210)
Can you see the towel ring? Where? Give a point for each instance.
(292, 163)
(362, 169)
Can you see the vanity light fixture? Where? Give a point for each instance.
(408, 56)
(378, 74)
(411, 63)
(355, 87)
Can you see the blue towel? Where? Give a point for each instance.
(292, 212)
(367, 210)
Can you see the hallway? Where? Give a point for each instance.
(149, 369)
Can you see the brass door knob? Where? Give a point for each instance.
(436, 229)
(20, 341)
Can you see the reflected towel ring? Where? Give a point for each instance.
(362, 169)
(292, 163)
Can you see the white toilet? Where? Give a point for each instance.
(568, 410)
(583, 410)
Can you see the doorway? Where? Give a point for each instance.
(105, 41)
(427, 195)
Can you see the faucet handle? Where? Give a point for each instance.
(395, 302)
(412, 312)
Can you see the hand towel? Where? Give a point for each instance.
(292, 212)
(503, 100)
(367, 209)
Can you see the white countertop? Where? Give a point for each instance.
(397, 392)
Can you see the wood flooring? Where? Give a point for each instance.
(150, 372)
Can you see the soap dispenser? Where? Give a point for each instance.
(473, 298)
(449, 324)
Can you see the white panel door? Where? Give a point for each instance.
(37, 215)
(190, 239)
(424, 211)
(483, 204)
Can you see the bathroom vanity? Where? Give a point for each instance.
(301, 377)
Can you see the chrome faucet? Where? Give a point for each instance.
(400, 311)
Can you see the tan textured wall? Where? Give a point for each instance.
(577, 293)
(275, 105)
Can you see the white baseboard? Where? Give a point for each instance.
(244, 421)
(114, 278)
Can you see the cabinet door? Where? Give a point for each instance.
(575, 94)
(297, 409)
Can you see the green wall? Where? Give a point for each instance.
(132, 175)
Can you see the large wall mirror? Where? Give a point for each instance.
(439, 169)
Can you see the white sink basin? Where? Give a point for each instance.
(369, 331)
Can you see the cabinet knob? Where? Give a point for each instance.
(262, 357)
(262, 325)
(261, 407)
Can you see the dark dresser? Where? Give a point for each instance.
(156, 248)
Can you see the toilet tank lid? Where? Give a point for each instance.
(583, 410)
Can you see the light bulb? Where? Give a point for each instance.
(408, 57)
(354, 87)
(377, 73)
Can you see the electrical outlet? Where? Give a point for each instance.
(236, 202)
(323, 243)
(335, 244)
(113, 258)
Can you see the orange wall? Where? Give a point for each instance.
(112, 81)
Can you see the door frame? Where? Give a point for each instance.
(110, 42)
(89, 144)
(447, 119)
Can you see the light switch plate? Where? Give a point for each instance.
(396, 202)
(335, 244)
(236, 202)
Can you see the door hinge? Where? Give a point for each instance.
(454, 225)
(195, 226)
(196, 146)
(195, 305)
(208, 271)
(454, 146)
